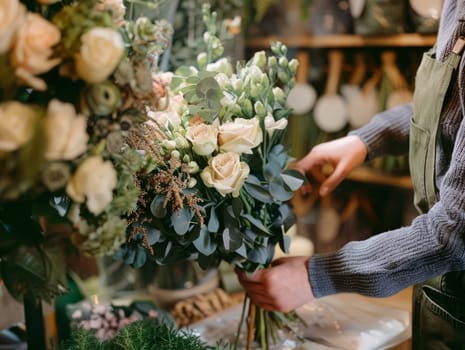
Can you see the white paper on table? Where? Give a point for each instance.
(352, 322)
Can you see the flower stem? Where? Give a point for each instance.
(239, 327)
(251, 325)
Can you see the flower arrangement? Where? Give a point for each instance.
(219, 182)
(153, 166)
(76, 79)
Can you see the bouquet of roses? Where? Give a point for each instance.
(219, 184)
(75, 80)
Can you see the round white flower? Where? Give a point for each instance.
(204, 138)
(65, 131)
(93, 183)
(221, 66)
(240, 136)
(17, 125)
(226, 173)
(33, 49)
(12, 15)
(101, 51)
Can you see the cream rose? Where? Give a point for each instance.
(33, 49)
(240, 136)
(101, 51)
(65, 131)
(226, 173)
(12, 16)
(93, 182)
(17, 125)
(204, 138)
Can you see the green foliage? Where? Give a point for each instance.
(141, 335)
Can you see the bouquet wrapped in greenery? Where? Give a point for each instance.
(75, 80)
(219, 184)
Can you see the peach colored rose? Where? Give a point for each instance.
(65, 131)
(101, 51)
(12, 16)
(226, 173)
(17, 125)
(33, 50)
(240, 136)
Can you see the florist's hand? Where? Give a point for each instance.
(340, 155)
(282, 287)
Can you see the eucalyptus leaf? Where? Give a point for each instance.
(242, 251)
(293, 178)
(232, 239)
(157, 207)
(280, 159)
(181, 220)
(279, 192)
(237, 207)
(153, 235)
(257, 223)
(168, 247)
(206, 84)
(140, 258)
(272, 169)
(204, 244)
(258, 192)
(260, 255)
(285, 244)
(129, 256)
(213, 222)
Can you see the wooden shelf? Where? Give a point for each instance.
(372, 176)
(343, 41)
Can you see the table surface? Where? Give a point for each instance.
(403, 301)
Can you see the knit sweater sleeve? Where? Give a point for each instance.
(387, 133)
(388, 262)
(434, 243)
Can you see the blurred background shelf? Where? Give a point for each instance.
(368, 175)
(343, 41)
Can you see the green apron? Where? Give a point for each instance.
(438, 304)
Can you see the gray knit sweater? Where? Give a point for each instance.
(434, 243)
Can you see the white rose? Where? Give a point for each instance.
(101, 51)
(17, 125)
(65, 131)
(240, 136)
(12, 15)
(204, 138)
(33, 49)
(93, 182)
(271, 125)
(226, 173)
